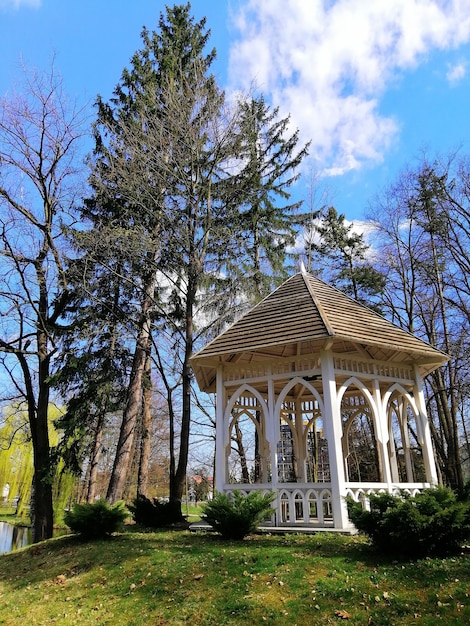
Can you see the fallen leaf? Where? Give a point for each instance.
(198, 576)
(342, 614)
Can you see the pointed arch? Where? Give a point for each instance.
(406, 439)
(398, 388)
(246, 445)
(292, 383)
(302, 446)
(353, 381)
(360, 444)
(240, 392)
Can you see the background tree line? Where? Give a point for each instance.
(113, 274)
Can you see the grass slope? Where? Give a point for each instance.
(172, 578)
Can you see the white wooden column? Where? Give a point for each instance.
(383, 436)
(272, 431)
(405, 437)
(300, 449)
(428, 452)
(334, 431)
(220, 434)
(272, 436)
(393, 444)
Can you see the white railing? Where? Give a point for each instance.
(360, 492)
(310, 504)
(296, 504)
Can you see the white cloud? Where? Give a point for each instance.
(17, 4)
(456, 73)
(328, 62)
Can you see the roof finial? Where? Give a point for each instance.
(302, 267)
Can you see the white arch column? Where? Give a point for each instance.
(272, 437)
(405, 436)
(272, 431)
(220, 434)
(426, 446)
(382, 435)
(333, 426)
(392, 445)
(300, 449)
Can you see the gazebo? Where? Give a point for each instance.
(318, 398)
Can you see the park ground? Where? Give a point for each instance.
(164, 578)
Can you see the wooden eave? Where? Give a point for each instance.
(304, 316)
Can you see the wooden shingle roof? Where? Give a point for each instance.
(303, 316)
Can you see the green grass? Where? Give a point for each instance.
(173, 578)
(8, 514)
(192, 511)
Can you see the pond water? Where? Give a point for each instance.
(13, 537)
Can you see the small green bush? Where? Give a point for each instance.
(234, 516)
(432, 523)
(155, 514)
(97, 520)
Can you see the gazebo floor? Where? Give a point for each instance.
(281, 530)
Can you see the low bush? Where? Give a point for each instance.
(155, 514)
(432, 523)
(234, 516)
(97, 520)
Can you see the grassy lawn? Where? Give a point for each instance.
(8, 514)
(169, 578)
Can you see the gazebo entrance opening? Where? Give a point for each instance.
(359, 440)
(248, 459)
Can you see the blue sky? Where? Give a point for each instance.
(371, 82)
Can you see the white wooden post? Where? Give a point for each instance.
(393, 446)
(272, 435)
(300, 451)
(334, 431)
(428, 453)
(382, 436)
(405, 436)
(220, 434)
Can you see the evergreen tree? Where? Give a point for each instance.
(268, 222)
(340, 257)
(157, 154)
(173, 173)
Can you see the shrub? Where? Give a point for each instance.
(236, 516)
(432, 523)
(155, 514)
(96, 520)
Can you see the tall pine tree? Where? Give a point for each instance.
(340, 257)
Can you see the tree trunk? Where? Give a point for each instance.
(145, 444)
(241, 453)
(126, 436)
(178, 484)
(42, 512)
(94, 459)
(447, 442)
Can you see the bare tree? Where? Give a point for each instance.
(423, 246)
(39, 182)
